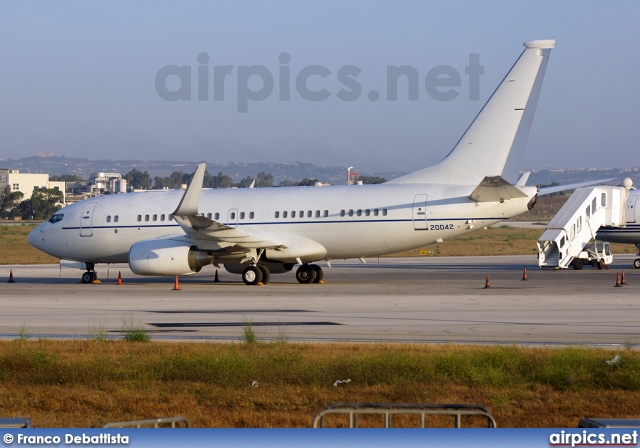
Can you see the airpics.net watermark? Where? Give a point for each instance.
(255, 83)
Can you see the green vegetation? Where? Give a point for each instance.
(81, 383)
(134, 332)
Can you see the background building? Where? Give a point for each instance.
(27, 182)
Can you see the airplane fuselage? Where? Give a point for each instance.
(322, 223)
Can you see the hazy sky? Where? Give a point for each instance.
(79, 78)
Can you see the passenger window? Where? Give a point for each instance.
(375, 212)
(115, 218)
(317, 213)
(342, 213)
(139, 218)
(241, 215)
(367, 212)
(603, 199)
(146, 217)
(326, 213)
(161, 217)
(350, 212)
(284, 214)
(155, 217)
(216, 216)
(309, 214)
(301, 214)
(359, 213)
(251, 215)
(293, 214)
(209, 215)
(233, 215)
(384, 212)
(109, 218)
(276, 215)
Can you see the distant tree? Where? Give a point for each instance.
(372, 179)
(307, 182)
(66, 178)
(43, 203)
(9, 201)
(264, 180)
(137, 179)
(288, 183)
(219, 181)
(245, 183)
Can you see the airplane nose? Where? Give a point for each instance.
(35, 237)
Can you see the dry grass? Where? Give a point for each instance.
(89, 383)
(17, 250)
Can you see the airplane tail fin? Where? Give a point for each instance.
(494, 143)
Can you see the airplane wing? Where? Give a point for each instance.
(199, 227)
(556, 188)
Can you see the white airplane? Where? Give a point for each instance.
(259, 231)
(630, 233)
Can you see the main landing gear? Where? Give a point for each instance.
(254, 274)
(309, 273)
(90, 275)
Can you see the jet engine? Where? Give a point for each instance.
(166, 256)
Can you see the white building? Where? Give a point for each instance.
(27, 182)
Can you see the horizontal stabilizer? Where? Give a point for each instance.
(495, 189)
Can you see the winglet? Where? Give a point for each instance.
(191, 199)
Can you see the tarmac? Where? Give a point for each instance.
(416, 300)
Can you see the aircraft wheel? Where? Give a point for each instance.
(636, 263)
(578, 264)
(251, 275)
(266, 274)
(319, 273)
(87, 277)
(305, 274)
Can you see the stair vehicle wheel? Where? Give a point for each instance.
(578, 264)
(266, 274)
(251, 275)
(636, 263)
(319, 273)
(305, 274)
(600, 265)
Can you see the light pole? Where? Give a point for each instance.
(349, 175)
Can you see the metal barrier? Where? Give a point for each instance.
(457, 411)
(155, 422)
(15, 423)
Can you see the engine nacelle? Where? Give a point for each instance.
(166, 256)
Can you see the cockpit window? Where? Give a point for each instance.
(57, 217)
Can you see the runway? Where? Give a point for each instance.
(422, 300)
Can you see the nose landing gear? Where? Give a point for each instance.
(90, 276)
(309, 273)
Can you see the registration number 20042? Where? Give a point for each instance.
(441, 227)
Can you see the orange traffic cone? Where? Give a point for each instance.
(11, 276)
(119, 282)
(176, 285)
(216, 280)
(623, 279)
(487, 285)
(524, 275)
(618, 284)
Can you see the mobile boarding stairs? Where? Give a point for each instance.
(569, 238)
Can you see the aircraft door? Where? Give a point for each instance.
(86, 219)
(632, 212)
(419, 212)
(232, 217)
